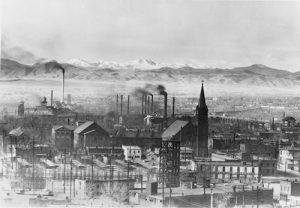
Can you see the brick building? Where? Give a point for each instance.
(90, 134)
(63, 136)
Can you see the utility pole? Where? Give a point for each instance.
(163, 186)
(204, 184)
(33, 164)
(211, 198)
(128, 163)
(92, 170)
(285, 168)
(65, 171)
(170, 197)
(142, 183)
(257, 201)
(71, 168)
(11, 153)
(243, 195)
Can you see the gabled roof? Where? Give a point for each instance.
(89, 132)
(174, 128)
(69, 127)
(55, 127)
(16, 132)
(82, 127)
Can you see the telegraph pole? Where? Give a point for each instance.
(141, 182)
(243, 195)
(33, 164)
(71, 168)
(92, 170)
(65, 172)
(170, 198)
(211, 198)
(257, 201)
(128, 173)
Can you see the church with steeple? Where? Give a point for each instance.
(202, 126)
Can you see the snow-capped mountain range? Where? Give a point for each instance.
(142, 64)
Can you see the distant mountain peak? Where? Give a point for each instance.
(259, 66)
(79, 62)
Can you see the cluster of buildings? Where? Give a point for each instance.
(165, 152)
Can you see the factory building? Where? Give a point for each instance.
(90, 134)
(63, 136)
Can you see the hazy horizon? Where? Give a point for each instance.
(221, 34)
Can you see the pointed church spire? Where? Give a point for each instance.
(202, 102)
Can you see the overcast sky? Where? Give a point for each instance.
(219, 33)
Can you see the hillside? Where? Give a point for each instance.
(255, 75)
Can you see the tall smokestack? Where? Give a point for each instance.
(121, 105)
(51, 99)
(142, 104)
(128, 100)
(162, 91)
(166, 106)
(173, 110)
(145, 109)
(117, 103)
(152, 104)
(148, 104)
(54, 65)
(63, 87)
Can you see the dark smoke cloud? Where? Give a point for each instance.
(54, 65)
(142, 91)
(161, 90)
(150, 89)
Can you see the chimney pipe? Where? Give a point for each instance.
(51, 99)
(117, 103)
(166, 106)
(148, 105)
(128, 100)
(121, 105)
(173, 110)
(152, 104)
(63, 87)
(142, 104)
(145, 105)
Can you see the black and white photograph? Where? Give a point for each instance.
(150, 103)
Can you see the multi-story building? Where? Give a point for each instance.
(290, 193)
(228, 171)
(186, 153)
(183, 131)
(289, 159)
(62, 136)
(132, 152)
(90, 134)
(268, 166)
(258, 148)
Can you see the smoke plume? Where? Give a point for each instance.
(54, 65)
(161, 90)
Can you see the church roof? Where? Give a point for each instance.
(202, 102)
